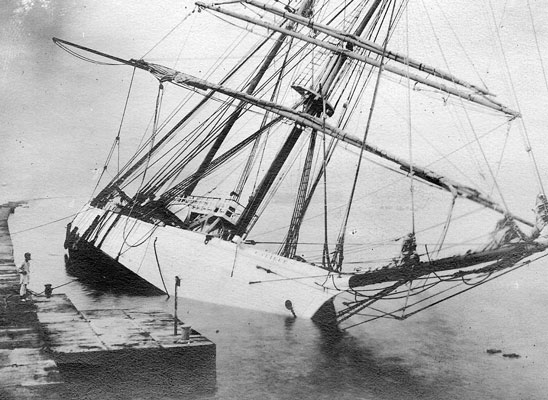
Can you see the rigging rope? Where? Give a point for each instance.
(41, 294)
(445, 229)
(537, 45)
(482, 151)
(525, 135)
(81, 57)
(325, 253)
(409, 127)
(45, 224)
(125, 234)
(483, 280)
(499, 165)
(273, 98)
(159, 268)
(169, 33)
(338, 256)
(117, 139)
(154, 129)
(448, 23)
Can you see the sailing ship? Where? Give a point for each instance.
(187, 206)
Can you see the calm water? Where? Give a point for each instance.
(438, 354)
(59, 117)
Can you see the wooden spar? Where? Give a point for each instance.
(474, 98)
(408, 272)
(368, 45)
(331, 71)
(341, 59)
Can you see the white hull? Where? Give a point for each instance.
(214, 271)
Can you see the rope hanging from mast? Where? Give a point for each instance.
(537, 45)
(169, 33)
(525, 135)
(338, 255)
(409, 127)
(325, 253)
(154, 128)
(116, 142)
(275, 93)
(470, 124)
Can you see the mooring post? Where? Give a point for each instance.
(177, 284)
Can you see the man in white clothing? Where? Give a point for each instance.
(24, 277)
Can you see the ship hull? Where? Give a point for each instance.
(210, 269)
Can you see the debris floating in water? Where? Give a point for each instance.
(511, 355)
(507, 355)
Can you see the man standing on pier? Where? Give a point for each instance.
(24, 277)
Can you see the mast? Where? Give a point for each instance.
(314, 106)
(301, 204)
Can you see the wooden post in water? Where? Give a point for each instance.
(177, 284)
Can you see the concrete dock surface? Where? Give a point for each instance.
(50, 349)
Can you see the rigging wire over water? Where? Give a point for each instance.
(116, 142)
(338, 254)
(468, 119)
(470, 287)
(169, 33)
(539, 53)
(410, 127)
(47, 223)
(525, 134)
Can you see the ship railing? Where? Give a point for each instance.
(228, 209)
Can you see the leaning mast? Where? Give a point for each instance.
(315, 101)
(290, 245)
(304, 10)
